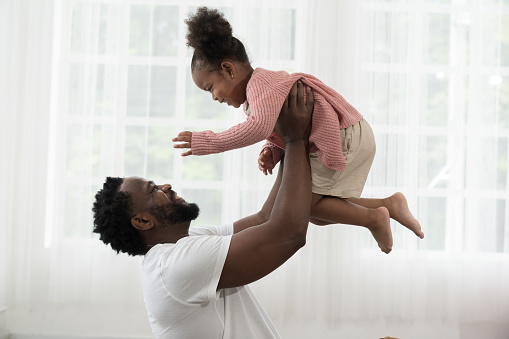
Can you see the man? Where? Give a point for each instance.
(194, 279)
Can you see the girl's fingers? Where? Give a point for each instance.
(183, 136)
(186, 145)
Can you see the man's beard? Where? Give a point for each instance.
(171, 213)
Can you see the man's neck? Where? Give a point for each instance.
(167, 234)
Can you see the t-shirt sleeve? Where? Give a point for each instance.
(211, 230)
(191, 272)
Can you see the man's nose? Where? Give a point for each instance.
(214, 97)
(166, 188)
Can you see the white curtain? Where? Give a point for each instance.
(430, 77)
(3, 175)
(98, 88)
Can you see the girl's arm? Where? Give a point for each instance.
(265, 98)
(253, 130)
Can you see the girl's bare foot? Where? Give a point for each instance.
(399, 211)
(381, 228)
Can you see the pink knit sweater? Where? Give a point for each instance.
(266, 92)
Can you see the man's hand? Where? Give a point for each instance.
(265, 161)
(294, 122)
(184, 137)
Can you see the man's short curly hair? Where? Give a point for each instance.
(112, 210)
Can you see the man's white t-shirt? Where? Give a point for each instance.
(180, 291)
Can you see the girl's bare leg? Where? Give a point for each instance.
(327, 209)
(398, 210)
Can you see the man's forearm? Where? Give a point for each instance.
(293, 203)
(264, 214)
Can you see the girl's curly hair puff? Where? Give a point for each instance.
(210, 34)
(111, 219)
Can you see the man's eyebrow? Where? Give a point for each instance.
(150, 184)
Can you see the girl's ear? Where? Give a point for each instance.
(142, 221)
(229, 68)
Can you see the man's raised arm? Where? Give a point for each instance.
(256, 251)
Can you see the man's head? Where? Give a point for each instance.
(133, 213)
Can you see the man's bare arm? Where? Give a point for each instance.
(258, 250)
(264, 214)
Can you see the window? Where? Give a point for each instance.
(124, 89)
(435, 75)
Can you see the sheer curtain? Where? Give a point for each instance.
(3, 174)
(98, 88)
(431, 78)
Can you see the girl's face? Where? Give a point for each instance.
(224, 84)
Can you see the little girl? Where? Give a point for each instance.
(342, 145)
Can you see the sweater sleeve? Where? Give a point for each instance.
(253, 130)
(265, 104)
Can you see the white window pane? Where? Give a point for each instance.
(495, 39)
(495, 101)
(135, 150)
(490, 213)
(491, 156)
(95, 28)
(76, 87)
(106, 100)
(81, 14)
(109, 29)
(163, 81)
(438, 38)
(165, 31)
(386, 98)
(272, 38)
(139, 30)
(388, 170)
(502, 161)
(436, 89)
(90, 149)
(432, 213)
(160, 153)
(137, 90)
(432, 159)
(92, 89)
(77, 209)
(208, 168)
(387, 37)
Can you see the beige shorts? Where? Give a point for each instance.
(358, 144)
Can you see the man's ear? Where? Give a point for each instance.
(229, 68)
(143, 221)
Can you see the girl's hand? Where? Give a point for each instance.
(185, 137)
(265, 161)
